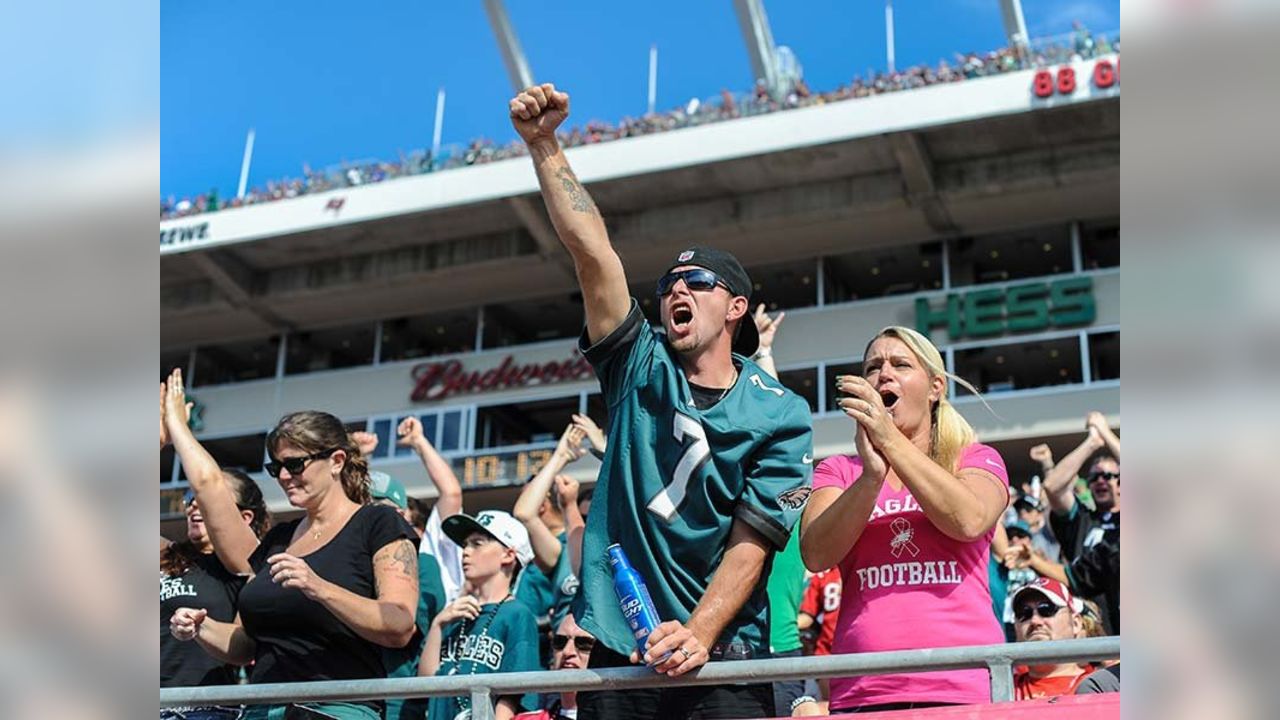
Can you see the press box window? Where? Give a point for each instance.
(530, 321)
(784, 285)
(247, 452)
(445, 430)
(174, 359)
(407, 338)
(1104, 356)
(1100, 244)
(1009, 256)
(803, 383)
(1020, 366)
(316, 350)
(523, 423)
(236, 362)
(882, 272)
(829, 377)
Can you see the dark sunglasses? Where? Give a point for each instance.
(189, 497)
(1045, 610)
(1103, 475)
(696, 279)
(295, 465)
(581, 643)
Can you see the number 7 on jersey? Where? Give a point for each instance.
(666, 503)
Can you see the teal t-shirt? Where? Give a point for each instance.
(676, 477)
(533, 588)
(502, 638)
(403, 662)
(786, 590)
(564, 583)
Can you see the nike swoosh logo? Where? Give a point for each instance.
(807, 459)
(993, 463)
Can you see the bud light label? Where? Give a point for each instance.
(633, 598)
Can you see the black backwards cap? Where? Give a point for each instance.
(736, 279)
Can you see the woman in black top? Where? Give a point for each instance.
(329, 589)
(191, 575)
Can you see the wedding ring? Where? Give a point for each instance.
(687, 655)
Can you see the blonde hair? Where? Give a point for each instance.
(950, 433)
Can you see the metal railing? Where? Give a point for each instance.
(998, 659)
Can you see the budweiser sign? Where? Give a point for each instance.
(439, 380)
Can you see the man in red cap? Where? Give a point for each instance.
(1046, 610)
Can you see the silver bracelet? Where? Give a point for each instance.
(801, 700)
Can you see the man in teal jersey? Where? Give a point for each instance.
(709, 459)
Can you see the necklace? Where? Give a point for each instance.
(464, 701)
(732, 382)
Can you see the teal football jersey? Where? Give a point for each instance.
(675, 478)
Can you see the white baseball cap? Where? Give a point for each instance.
(498, 524)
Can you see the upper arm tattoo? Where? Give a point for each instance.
(581, 201)
(399, 557)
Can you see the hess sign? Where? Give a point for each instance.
(1017, 308)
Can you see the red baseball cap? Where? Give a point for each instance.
(1054, 591)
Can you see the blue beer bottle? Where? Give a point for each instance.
(633, 596)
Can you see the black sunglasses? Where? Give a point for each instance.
(1104, 475)
(295, 465)
(189, 497)
(582, 643)
(695, 278)
(1045, 610)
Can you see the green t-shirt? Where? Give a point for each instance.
(403, 662)
(675, 478)
(564, 583)
(533, 588)
(503, 638)
(786, 589)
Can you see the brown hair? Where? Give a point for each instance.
(179, 557)
(315, 431)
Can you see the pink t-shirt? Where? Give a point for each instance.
(909, 586)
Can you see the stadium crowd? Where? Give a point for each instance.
(1081, 44)
(918, 540)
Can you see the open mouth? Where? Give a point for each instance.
(681, 316)
(889, 398)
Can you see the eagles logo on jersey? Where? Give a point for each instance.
(795, 498)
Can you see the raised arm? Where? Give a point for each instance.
(546, 546)
(574, 523)
(1098, 421)
(448, 489)
(233, 540)
(536, 113)
(1059, 483)
(767, 327)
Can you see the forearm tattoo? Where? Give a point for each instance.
(580, 201)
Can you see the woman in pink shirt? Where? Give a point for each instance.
(909, 522)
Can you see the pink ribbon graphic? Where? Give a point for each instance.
(902, 534)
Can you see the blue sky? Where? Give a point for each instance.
(322, 82)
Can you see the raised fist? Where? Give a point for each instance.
(1042, 454)
(537, 111)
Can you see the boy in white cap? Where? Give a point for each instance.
(484, 631)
